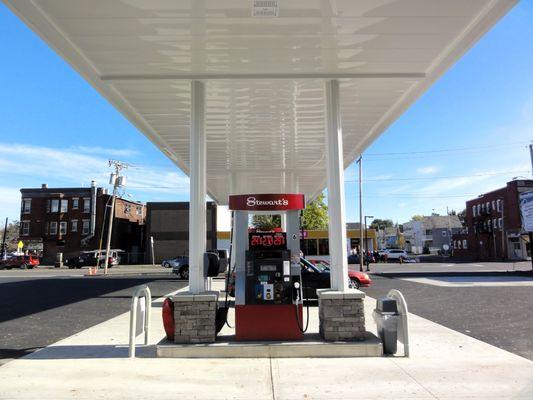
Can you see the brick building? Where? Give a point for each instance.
(494, 228)
(70, 220)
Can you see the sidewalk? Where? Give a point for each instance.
(93, 364)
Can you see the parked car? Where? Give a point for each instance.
(180, 266)
(395, 254)
(19, 261)
(91, 259)
(170, 262)
(316, 274)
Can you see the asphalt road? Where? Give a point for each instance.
(38, 311)
(499, 315)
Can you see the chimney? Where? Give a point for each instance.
(44, 186)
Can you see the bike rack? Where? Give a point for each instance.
(403, 332)
(140, 291)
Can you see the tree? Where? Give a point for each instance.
(315, 214)
(12, 235)
(266, 222)
(462, 217)
(381, 223)
(417, 217)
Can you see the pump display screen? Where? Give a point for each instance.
(268, 268)
(267, 240)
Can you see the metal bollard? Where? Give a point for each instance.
(140, 291)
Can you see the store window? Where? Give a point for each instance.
(323, 247)
(309, 247)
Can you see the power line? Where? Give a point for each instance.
(440, 177)
(476, 149)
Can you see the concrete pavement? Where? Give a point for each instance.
(92, 364)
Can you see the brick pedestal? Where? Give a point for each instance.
(194, 317)
(342, 316)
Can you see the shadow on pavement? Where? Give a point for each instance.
(22, 298)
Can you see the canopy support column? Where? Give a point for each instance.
(197, 209)
(336, 206)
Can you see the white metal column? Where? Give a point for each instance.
(233, 190)
(336, 207)
(197, 209)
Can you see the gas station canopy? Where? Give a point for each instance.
(264, 64)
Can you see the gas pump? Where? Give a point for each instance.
(268, 270)
(267, 267)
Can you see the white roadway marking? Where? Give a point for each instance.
(37, 276)
(457, 282)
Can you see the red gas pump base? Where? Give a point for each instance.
(268, 322)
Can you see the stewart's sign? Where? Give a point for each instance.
(267, 202)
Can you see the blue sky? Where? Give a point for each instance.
(56, 129)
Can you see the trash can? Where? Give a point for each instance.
(386, 316)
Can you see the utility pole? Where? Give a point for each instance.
(530, 233)
(3, 257)
(360, 161)
(531, 156)
(117, 181)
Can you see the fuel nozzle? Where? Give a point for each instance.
(296, 291)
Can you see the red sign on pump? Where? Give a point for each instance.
(267, 202)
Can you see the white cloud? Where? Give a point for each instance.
(105, 151)
(430, 169)
(9, 203)
(29, 166)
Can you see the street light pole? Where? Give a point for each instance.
(366, 238)
(360, 161)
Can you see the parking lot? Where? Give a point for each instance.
(42, 306)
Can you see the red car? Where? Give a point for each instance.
(316, 275)
(22, 262)
(359, 279)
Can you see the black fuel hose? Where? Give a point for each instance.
(300, 325)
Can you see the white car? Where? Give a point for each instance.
(395, 254)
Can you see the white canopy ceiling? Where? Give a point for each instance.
(264, 75)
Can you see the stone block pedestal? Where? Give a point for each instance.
(194, 317)
(341, 315)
